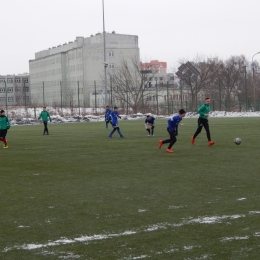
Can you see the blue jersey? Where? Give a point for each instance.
(173, 123)
(107, 114)
(113, 116)
(150, 121)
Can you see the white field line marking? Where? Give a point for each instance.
(63, 240)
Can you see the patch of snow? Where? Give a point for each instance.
(141, 210)
(241, 199)
(254, 212)
(234, 238)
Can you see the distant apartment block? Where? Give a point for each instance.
(14, 90)
(69, 72)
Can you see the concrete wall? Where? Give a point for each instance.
(79, 61)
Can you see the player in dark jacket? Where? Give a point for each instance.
(149, 124)
(203, 112)
(4, 126)
(45, 117)
(172, 129)
(114, 121)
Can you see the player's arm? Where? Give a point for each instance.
(49, 116)
(8, 124)
(201, 110)
(39, 117)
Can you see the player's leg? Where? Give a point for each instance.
(112, 132)
(161, 142)
(200, 125)
(172, 142)
(152, 128)
(3, 136)
(119, 132)
(46, 128)
(206, 126)
(148, 129)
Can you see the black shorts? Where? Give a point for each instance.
(3, 133)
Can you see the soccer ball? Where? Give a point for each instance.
(237, 141)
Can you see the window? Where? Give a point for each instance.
(17, 80)
(172, 78)
(2, 80)
(111, 53)
(17, 99)
(17, 89)
(25, 89)
(10, 90)
(27, 98)
(10, 99)
(9, 81)
(2, 99)
(111, 65)
(161, 78)
(155, 78)
(2, 90)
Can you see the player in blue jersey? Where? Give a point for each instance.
(107, 114)
(149, 124)
(114, 115)
(172, 129)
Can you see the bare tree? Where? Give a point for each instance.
(129, 81)
(208, 72)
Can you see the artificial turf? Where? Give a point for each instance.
(77, 194)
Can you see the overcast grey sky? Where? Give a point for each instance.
(168, 30)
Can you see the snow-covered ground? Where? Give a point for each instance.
(20, 116)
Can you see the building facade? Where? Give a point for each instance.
(67, 74)
(14, 90)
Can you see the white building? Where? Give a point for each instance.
(66, 74)
(14, 90)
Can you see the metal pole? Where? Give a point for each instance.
(246, 90)
(105, 64)
(5, 97)
(25, 99)
(196, 97)
(43, 99)
(253, 68)
(168, 96)
(111, 96)
(219, 87)
(78, 98)
(95, 97)
(181, 92)
(60, 96)
(157, 105)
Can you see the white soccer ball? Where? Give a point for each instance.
(237, 141)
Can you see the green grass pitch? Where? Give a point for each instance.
(77, 194)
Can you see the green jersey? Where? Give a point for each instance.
(204, 109)
(4, 122)
(44, 115)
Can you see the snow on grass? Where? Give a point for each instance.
(234, 238)
(241, 199)
(82, 239)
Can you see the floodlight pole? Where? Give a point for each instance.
(253, 68)
(105, 63)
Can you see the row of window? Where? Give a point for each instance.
(11, 99)
(45, 62)
(75, 67)
(14, 80)
(46, 73)
(17, 89)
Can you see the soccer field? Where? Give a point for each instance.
(77, 194)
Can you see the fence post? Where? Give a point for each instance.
(6, 98)
(95, 97)
(78, 98)
(157, 105)
(219, 87)
(43, 98)
(168, 106)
